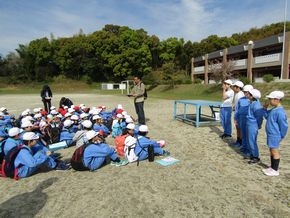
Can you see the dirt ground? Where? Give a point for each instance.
(211, 180)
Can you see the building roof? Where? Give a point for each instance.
(269, 41)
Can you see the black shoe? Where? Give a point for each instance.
(221, 136)
(226, 136)
(254, 160)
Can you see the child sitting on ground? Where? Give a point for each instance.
(27, 163)
(96, 152)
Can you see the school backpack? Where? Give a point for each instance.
(55, 134)
(8, 168)
(130, 144)
(120, 144)
(2, 144)
(77, 159)
(145, 95)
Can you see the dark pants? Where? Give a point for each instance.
(139, 107)
(47, 105)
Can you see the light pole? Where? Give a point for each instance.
(284, 33)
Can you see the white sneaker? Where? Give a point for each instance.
(266, 170)
(272, 172)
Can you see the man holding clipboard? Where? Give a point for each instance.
(138, 93)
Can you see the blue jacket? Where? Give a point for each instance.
(27, 162)
(102, 127)
(117, 129)
(141, 149)
(242, 107)
(67, 136)
(277, 124)
(95, 155)
(11, 143)
(255, 114)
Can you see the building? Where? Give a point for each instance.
(253, 59)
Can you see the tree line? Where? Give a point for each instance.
(115, 53)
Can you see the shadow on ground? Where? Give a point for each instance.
(27, 204)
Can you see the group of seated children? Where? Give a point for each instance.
(30, 136)
(248, 118)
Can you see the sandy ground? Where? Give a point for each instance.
(211, 180)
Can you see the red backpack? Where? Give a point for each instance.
(120, 144)
(8, 168)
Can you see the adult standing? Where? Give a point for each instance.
(138, 93)
(46, 96)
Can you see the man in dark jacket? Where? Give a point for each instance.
(46, 96)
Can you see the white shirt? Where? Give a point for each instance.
(230, 97)
(239, 95)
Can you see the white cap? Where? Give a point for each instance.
(255, 93)
(3, 109)
(30, 118)
(72, 106)
(130, 140)
(130, 126)
(124, 113)
(67, 115)
(129, 120)
(228, 81)
(36, 110)
(52, 108)
(239, 84)
(87, 124)
(67, 123)
(96, 111)
(36, 116)
(26, 123)
(103, 107)
(30, 136)
(119, 106)
(13, 131)
(74, 117)
(143, 128)
(82, 105)
(91, 134)
(53, 112)
(65, 107)
(71, 110)
(276, 94)
(96, 117)
(83, 115)
(49, 116)
(119, 116)
(24, 113)
(60, 116)
(42, 124)
(247, 88)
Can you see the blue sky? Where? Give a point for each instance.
(24, 20)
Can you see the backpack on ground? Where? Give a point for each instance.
(77, 159)
(8, 168)
(120, 144)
